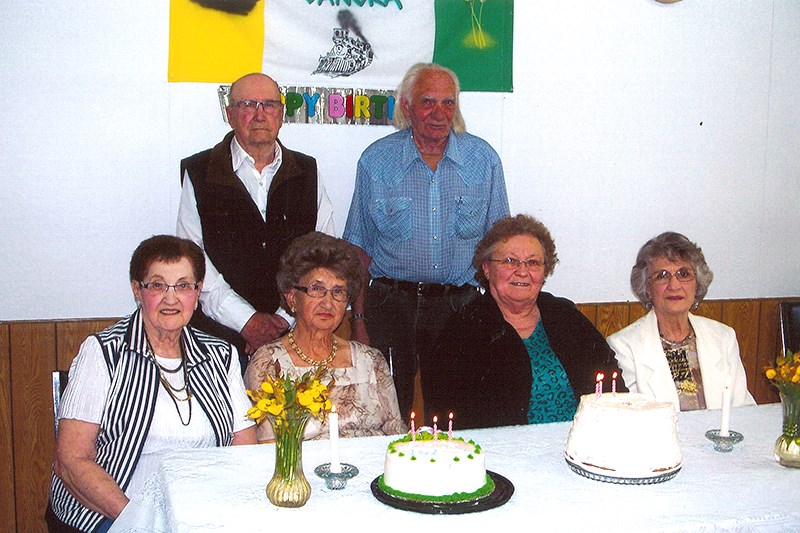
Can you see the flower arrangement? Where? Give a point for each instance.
(288, 404)
(283, 398)
(785, 375)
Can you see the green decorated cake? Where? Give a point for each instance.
(435, 468)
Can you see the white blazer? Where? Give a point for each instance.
(645, 368)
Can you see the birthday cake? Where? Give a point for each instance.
(435, 469)
(624, 436)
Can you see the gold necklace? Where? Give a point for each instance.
(309, 360)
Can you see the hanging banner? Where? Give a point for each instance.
(325, 105)
(341, 43)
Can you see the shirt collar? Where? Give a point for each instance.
(136, 339)
(239, 157)
(452, 152)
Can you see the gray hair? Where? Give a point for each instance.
(406, 90)
(318, 250)
(506, 228)
(674, 247)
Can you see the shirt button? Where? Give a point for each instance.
(434, 209)
(435, 237)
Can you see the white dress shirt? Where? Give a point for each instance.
(219, 300)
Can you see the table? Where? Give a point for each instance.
(222, 489)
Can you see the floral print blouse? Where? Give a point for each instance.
(363, 394)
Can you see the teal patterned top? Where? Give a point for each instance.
(552, 397)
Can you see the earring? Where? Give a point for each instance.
(138, 304)
(196, 303)
(648, 305)
(696, 304)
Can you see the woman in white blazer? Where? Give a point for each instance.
(671, 354)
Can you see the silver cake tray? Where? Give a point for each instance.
(595, 474)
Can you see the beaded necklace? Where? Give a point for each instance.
(174, 392)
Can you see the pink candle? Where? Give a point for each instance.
(614, 383)
(435, 429)
(413, 430)
(598, 390)
(450, 428)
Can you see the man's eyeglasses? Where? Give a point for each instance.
(250, 107)
(318, 291)
(510, 263)
(663, 277)
(159, 287)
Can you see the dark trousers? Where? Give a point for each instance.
(403, 321)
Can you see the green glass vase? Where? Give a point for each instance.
(787, 447)
(289, 486)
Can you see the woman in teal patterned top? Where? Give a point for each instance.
(516, 355)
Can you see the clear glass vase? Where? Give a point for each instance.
(289, 486)
(787, 447)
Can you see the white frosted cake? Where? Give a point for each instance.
(624, 436)
(439, 470)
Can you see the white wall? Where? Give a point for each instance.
(628, 118)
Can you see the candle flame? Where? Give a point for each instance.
(600, 376)
(333, 409)
(435, 419)
(413, 415)
(451, 416)
(614, 375)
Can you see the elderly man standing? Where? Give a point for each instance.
(243, 202)
(424, 197)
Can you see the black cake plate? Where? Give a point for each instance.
(503, 490)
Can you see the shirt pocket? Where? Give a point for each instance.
(469, 213)
(394, 217)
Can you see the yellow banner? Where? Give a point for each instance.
(207, 45)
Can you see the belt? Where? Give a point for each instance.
(423, 289)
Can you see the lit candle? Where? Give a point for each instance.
(614, 383)
(724, 426)
(413, 429)
(598, 389)
(435, 428)
(450, 428)
(333, 427)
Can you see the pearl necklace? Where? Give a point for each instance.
(309, 360)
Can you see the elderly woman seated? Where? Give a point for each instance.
(146, 386)
(516, 355)
(317, 277)
(671, 354)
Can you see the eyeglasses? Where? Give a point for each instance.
(250, 107)
(159, 287)
(510, 263)
(318, 291)
(663, 277)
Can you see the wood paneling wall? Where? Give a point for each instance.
(30, 351)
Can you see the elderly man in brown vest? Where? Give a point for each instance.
(243, 201)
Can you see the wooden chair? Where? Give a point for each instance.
(60, 378)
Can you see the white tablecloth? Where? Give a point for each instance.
(222, 489)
